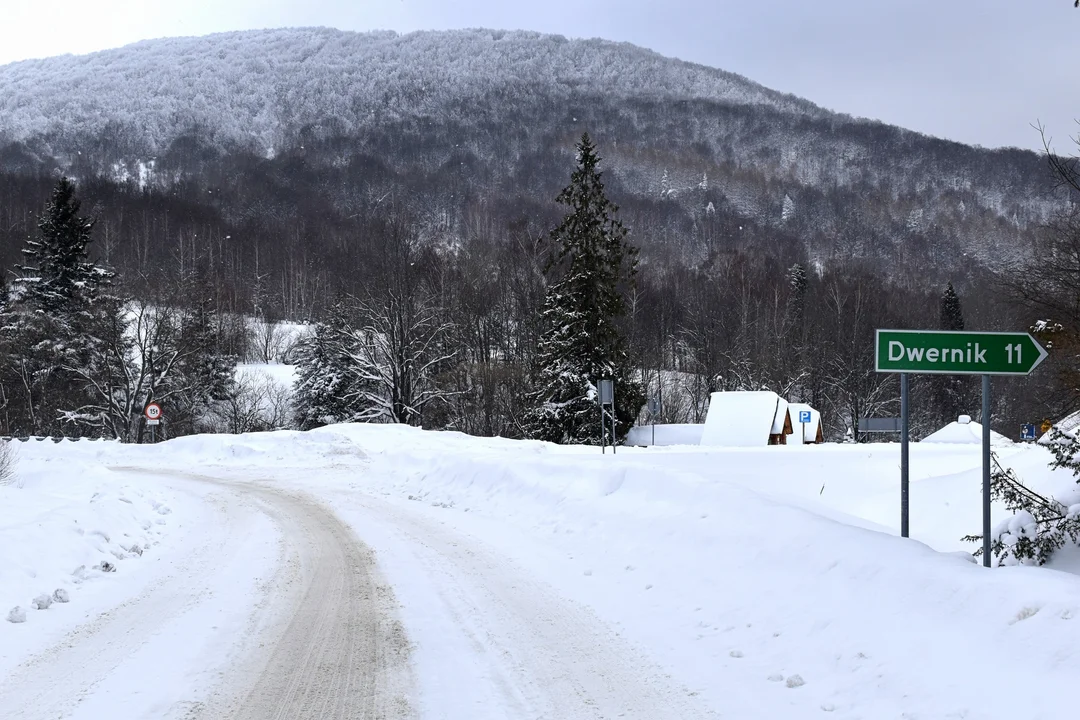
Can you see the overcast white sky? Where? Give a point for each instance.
(978, 71)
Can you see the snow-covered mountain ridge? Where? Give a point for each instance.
(701, 160)
(260, 84)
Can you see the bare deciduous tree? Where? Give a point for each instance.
(400, 344)
(255, 403)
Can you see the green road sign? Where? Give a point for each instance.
(957, 353)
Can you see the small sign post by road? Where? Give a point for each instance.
(153, 419)
(1027, 432)
(947, 352)
(606, 391)
(654, 410)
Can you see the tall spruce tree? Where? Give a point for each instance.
(47, 325)
(952, 315)
(953, 395)
(58, 277)
(592, 267)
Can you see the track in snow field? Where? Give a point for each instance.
(340, 652)
(512, 647)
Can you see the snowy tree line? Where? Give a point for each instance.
(414, 328)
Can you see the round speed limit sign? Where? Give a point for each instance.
(153, 411)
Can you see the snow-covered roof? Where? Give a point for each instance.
(743, 419)
(967, 433)
(780, 420)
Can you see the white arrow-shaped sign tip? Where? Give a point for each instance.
(1042, 352)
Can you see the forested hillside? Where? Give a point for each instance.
(283, 171)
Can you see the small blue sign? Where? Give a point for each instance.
(1027, 431)
(804, 416)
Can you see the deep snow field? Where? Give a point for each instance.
(767, 583)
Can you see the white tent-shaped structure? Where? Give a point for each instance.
(746, 419)
(964, 432)
(808, 433)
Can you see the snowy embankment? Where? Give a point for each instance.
(767, 581)
(75, 538)
(67, 522)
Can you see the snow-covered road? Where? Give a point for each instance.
(378, 571)
(276, 609)
(498, 643)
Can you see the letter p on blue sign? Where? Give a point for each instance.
(804, 416)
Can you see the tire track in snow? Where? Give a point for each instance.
(539, 655)
(337, 650)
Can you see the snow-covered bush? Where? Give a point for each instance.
(1041, 525)
(17, 615)
(8, 461)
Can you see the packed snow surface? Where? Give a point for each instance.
(541, 581)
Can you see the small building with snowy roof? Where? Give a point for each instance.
(805, 433)
(746, 419)
(964, 432)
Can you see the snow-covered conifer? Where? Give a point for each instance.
(582, 342)
(325, 388)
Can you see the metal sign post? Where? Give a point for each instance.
(905, 437)
(986, 467)
(654, 410)
(606, 392)
(153, 419)
(804, 417)
(945, 352)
